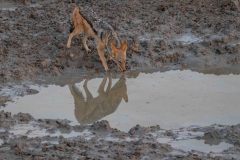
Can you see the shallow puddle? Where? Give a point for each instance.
(199, 145)
(32, 131)
(190, 144)
(170, 99)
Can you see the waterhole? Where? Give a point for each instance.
(170, 99)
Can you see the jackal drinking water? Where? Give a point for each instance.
(105, 40)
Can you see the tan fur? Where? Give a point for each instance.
(81, 25)
(119, 54)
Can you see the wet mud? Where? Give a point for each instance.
(198, 35)
(24, 137)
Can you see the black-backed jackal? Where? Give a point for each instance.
(105, 41)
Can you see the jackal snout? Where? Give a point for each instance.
(119, 54)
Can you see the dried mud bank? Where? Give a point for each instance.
(22, 136)
(198, 35)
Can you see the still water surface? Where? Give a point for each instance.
(170, 99)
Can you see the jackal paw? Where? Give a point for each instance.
(107, 70)
(88, 50)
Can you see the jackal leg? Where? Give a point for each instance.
(85, 38)
(100, 48)
(71, 35)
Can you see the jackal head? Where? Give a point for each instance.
(119, 54)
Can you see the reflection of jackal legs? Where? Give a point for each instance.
(88, 93)
(76, 92)
(103, 83)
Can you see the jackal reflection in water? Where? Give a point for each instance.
(91, 109)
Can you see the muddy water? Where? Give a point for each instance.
(170, 99)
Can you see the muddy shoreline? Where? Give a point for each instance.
(22, 136)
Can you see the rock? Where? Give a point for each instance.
(101, 125)
(23, 117)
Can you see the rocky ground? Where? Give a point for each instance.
(23, 137)
(202, 35)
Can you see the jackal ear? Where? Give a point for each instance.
(104, 37)
(76, 9)
(124, 45)
(113, 45)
